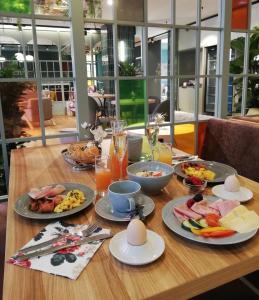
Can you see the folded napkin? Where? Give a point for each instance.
(68, 262)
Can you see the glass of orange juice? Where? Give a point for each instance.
(165, 153)
(103, 174)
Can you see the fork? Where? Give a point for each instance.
(86, 232)
(89, 230)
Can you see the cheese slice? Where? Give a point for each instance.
(241, 219)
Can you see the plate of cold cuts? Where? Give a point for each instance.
(54, 201)
(189, 219)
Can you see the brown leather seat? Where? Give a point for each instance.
(233, 143)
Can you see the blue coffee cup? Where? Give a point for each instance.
(122, 195)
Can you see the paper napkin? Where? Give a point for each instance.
(68, 262)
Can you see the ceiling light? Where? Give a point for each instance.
(19, 56)
(29, 58)
(110, 2)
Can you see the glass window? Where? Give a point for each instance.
(20, 109)
(53, 8)
(159, 11)
(186, 52)
(185, 12)
(130, 50)
(208, 51)
(253, 67)
(132, 10)
(16, 55)
(159, 97)
(240, 14)
(132, 101)
(236, 55)
(54, 49)
(254, 13)
(103, 92)
(99, 50)
(158, 51)
(235, 88)
(16, 6)
(98, 9)
(252, 101)
(209, 13)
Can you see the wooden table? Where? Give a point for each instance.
(185, 269)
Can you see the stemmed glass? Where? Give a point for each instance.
(119, 137)
(152, 134)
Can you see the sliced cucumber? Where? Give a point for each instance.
(187, 225)
(195, 224)
(203, 223)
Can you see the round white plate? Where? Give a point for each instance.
(242, 195)
(103, 208)
(137, 255)
(172, 223)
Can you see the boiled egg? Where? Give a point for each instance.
(232, 184)
(136, 233)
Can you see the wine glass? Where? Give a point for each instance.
(152, 134)
(119, 138)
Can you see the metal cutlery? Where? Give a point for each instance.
(86, 232)
(54, 249)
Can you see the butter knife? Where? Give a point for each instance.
(53, 249)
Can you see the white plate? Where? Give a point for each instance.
(103, 208)
(172, 223)
(137, 255)
(242, 195)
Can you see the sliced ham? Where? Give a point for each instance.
(180, 216)
(203, 208)
(226, 206)
(46, 191)
(215, 204)
(39, 193)
(184, 210)
(58, 189)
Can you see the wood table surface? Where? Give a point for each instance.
(184, 270)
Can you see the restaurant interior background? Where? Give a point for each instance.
(62, 61)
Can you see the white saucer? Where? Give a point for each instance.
(137, 255)
(104, 209)
(242, 195)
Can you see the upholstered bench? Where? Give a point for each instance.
(234, 143)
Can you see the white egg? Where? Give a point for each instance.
(136, 233)
(232, 184)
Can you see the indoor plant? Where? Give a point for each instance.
(237, 67)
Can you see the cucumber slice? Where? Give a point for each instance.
(186, 225)
(203, 223)
(195, 224)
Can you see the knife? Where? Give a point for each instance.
(41, 245)
(53, 249)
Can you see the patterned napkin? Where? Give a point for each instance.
(68, 262)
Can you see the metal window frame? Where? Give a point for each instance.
(77, 22)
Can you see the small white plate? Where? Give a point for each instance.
(242, 195)
(137, 255)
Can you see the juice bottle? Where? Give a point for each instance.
(115, 164)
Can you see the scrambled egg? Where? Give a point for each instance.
(201, 173)
(73, 199)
